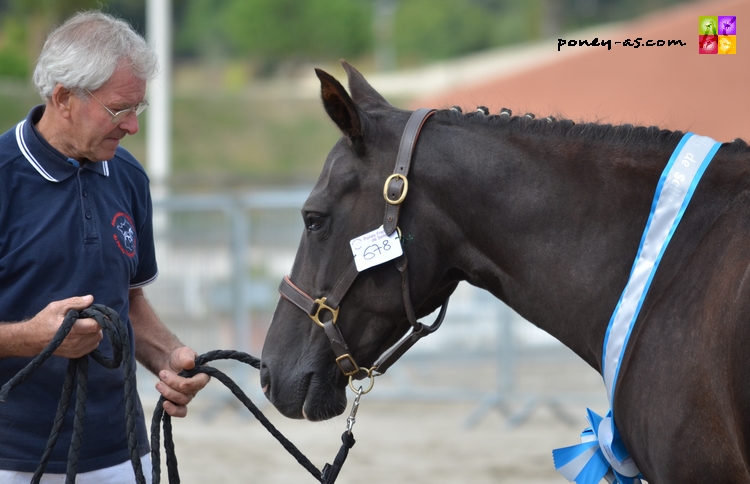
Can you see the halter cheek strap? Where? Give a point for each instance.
(396, 185)
(317, 308)
(324, 311)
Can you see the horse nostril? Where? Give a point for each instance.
(265, 379)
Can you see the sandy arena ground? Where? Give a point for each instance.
(404, 441)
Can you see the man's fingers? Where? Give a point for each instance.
(173, 395)
(179, 390)
(85, 326)
(175, 410)
(78, 303)
(182, 359)
(84, 337)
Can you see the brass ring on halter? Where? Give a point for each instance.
(370, 374)
(321, 306)
(403, 192)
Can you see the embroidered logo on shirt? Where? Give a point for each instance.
(124, 236)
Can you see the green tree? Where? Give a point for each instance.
(25, 24)
(438, 29)
(199, 30)
(272, 30)
(13, 60)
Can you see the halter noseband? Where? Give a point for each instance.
(394, 192)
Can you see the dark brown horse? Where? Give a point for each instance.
(546, 215)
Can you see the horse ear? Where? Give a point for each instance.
(362, 92)
(341, 108)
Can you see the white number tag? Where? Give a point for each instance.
(374, 248)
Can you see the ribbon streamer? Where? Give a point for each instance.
(601, 453)
(586, 462)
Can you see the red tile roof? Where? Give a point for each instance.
(673, 87)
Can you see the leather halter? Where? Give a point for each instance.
(394, 192)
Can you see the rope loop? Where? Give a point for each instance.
(326, 476)
(117, 333)
(77, 378)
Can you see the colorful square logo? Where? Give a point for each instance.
(707, 25)
(727, 25)
(727, 44)
(717, 34)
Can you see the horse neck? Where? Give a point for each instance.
(548, 223)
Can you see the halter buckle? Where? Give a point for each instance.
(321, 306)
(347, 358)
(403, 192)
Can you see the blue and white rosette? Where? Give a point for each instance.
(594, 458)
(601, 453)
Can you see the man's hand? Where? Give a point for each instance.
(164, 355)
(84, 336)
(179, 391)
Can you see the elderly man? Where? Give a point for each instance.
(75, 227)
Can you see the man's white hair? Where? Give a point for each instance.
(84, 52)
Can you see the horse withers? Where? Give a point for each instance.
(547, 216)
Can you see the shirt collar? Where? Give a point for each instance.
(46, 160)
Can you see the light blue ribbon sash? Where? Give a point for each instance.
(601, 453)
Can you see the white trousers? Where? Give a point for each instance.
(118, 474)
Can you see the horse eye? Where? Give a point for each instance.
(314, 221)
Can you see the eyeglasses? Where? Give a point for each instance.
(119, 116)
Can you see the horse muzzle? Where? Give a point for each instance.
(309, 395)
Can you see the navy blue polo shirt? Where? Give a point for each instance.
(68, 231)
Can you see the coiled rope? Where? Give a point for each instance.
(117, 333)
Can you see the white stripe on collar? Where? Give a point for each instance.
(37, 166)
(27, 153)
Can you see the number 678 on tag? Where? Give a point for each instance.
(375, 248)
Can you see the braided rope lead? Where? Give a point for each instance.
(327, 476)
(77, 370)
(77, 375)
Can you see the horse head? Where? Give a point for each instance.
(547, 216)
(303, 374)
